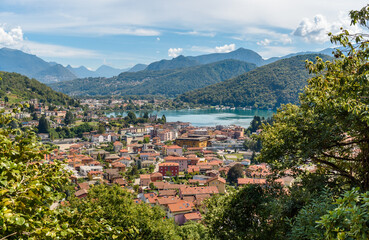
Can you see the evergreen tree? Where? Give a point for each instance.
(43, 125)
(69, 118)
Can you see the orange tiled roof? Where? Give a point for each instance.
(180, 206)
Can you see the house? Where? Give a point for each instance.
(95, 175)
(84, 170)
(112, 174)
(167, 193)
(245, 181)
(182, 162)
(117, 146)
(120, 181)
(169, 169)
(178, 210)
(118, 165)
(145, 180)
(150, 198)
(174, 150)
(156, 177)
(217, 182)
(194, 191)
(81, 193)
(194, 216)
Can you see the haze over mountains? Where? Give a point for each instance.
(12, 60)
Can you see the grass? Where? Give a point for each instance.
(234, 156)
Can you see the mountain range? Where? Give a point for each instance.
(169, 83)
(12, 60)
(265, 87)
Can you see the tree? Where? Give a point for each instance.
(349, 219)
(29, 185)
(131, 117)
(108, 212)
(330, 127)
(43, 125)
(34, 116)
(234, 173)
(69, 118)
(250, 213)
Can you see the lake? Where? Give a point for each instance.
(208, 117)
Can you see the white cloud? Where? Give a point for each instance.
(158, 39)
(317, 30)
(226, 48)
(264, 42)
(11, 38)
(174, 52)
(196, 33)
(51, 50)
(14, 39)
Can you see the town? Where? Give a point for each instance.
(170, 164)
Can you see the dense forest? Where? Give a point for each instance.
(268, 86)
(169, 83)
(17, 87)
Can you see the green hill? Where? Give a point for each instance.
(18, 87)
(167, 82)
(268, 86)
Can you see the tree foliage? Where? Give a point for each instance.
(26, 89)
(29, 185)
(165, 82)
(250, 213)
(265, 87)
(234, 173)
(330, 127)
(110, 213)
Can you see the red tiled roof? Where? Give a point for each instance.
(243, 181)
(168, 164)
(193, 216)
(180, 206)
(199, 190)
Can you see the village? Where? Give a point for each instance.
(170, 164)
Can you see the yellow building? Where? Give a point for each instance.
(218, 182)
(187, 142)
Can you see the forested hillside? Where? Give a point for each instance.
(14, 85)
(167, 82)
(268, 86)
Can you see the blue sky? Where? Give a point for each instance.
(121, 33)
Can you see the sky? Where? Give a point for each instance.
(122, 33)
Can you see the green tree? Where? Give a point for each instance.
(234, 173)
(69, 118)
(110, 213)
(330, 127)
(29, 185)
(43, 125)
(250, 213)
(350, 217)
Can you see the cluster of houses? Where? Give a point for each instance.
(188, 157)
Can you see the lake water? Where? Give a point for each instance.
(208, 117)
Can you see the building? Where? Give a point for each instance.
(169, 169)
(145, 179)
(182, 161)
(173, 150)
(218, 182)
(194, 141)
